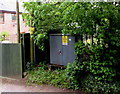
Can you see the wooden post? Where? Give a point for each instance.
(18, 21)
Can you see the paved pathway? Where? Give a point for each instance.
(10, 85)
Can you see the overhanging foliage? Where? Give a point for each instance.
(98, 59)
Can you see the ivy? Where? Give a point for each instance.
(96, 68)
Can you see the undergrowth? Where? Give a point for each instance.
(41, 75)
(73, 78)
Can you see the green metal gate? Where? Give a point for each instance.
(10, 60)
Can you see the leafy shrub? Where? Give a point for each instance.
(49, 77)
(96, 68)
(74, 77)
(90, 84)
(3, 35)
(99, 65)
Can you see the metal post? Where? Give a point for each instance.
(34, 53)
(31, 49)
(31, 43)
(18, 21)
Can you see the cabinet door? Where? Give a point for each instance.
(55, 50)
(68, 51)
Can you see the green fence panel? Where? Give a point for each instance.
(11, 59)
(0, 60)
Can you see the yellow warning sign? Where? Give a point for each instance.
(64, 40)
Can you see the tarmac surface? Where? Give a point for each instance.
(10, 85)
(19, 85)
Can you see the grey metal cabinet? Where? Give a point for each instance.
(62, 49)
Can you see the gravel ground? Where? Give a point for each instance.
(19, 85)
